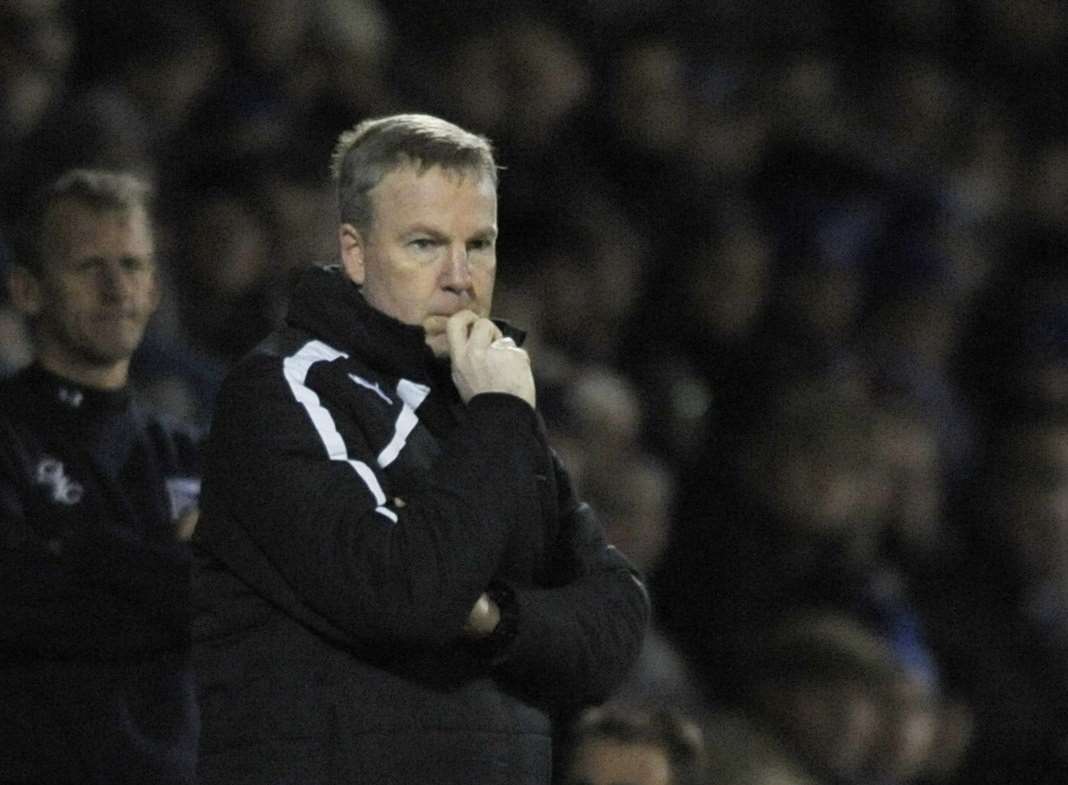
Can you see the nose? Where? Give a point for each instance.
(114, 282)
(457, 273)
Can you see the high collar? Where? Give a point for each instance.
(67, 398)
(330, 306)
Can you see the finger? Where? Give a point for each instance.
(503, 343)
(456, 330)
(483, 333)
(435, 324)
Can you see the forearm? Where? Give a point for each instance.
(574, 644)
(578, 636)
(407, 579)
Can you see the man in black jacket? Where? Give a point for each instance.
(394, 580)
(97, 495)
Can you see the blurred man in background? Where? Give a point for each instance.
(618, 744)
(97, 498)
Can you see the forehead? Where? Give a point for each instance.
(74, 228)
(409, 192)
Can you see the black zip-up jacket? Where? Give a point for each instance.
(354, 510)
(95, 676)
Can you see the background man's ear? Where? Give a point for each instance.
(25, 291)
(350, 244)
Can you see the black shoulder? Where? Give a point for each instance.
(13, 391)
(178, 444)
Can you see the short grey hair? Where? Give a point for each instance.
(375, 147)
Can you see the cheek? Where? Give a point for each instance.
(150, 295)
(68, 303)
(411, 284)
(484, 280)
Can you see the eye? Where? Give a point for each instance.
(421, 243)
(135, 264)
(481, 244)
(89, 264)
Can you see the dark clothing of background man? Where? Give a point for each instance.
(332, 592)
(95, 678)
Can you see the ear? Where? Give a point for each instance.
(25, 290)
(351, 245)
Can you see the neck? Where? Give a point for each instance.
(98, 377)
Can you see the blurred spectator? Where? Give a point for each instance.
(728, 132)
(840, 700)
(300, 210)
(598, 425)
(912, 336)
(603, 413)
(983, 171)
(612, 745)
(354, 40)
(651, 101)
(591, 255)
(819, 684)
(1031, 514)
(95, 128)
(743, 751)
(997, 615)
(633, 497)
(795, 519)
(36, 47)
(917, 534)
(1015, 356)
(228, 256)
(548, 80)
(918, 109)
(691, 347)
(269, 37)
(1047, 192)
(155, 62)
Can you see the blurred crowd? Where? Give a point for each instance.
(795, 280)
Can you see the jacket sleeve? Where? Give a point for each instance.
(578, 639)
(318, 509)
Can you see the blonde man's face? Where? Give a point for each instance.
(96, 289)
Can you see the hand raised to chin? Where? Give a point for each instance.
(484, 361)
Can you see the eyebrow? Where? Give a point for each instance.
(124, 259)
(487, 233)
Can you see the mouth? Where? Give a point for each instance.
(117, 316)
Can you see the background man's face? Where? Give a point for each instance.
(431, 249)
(98, 285)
